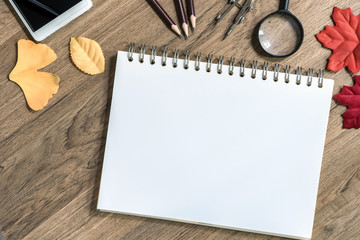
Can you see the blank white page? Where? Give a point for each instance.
(214, 149)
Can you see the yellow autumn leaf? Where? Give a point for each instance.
(38, 87)
(87, 55)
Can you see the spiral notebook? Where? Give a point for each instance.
(215, 144)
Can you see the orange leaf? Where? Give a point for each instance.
(38, 87)
(87, 55)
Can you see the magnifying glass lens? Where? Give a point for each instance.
(280, 34)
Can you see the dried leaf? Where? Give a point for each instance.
(38, 87)
(350, 96)
(343, 39)
(87, 55)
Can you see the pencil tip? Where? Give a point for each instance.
(181, 36)
(193, 29)
(186, 37)
(185, 27)
(227, 34)
(176, 30)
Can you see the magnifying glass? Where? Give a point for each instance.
(281, 33)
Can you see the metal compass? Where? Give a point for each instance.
(240, 17)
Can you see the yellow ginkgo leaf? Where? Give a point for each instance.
(38, 87)
(87, 55)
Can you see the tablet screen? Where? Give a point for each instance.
(40, 12)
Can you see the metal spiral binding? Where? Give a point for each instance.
(310, 76)
(187, 59)
(142, 53)
(232, 64)
(298, 75)
(253, 69)
(164, 57)
(220, 64)
(209, 62)
(197, 61)
(242, 67)
(153, 54)
(265, 70)
(276, 72)
(131, 51)
(287, 73)
(321, 78)
(176, 58)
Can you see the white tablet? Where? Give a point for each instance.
(44, 17)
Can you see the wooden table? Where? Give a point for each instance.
(50, 161)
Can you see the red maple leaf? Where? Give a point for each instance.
(350, 96)
(343, 39)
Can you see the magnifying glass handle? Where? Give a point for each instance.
(284, 4)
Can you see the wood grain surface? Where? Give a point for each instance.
(50, 161)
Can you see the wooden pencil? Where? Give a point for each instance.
(166, 18)
(192, 15)
(182, 16)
